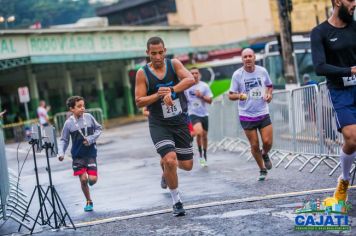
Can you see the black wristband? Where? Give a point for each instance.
(172, 89)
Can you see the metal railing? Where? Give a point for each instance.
(18, 131)
(304, 129)
(4, 175)
(13, 201)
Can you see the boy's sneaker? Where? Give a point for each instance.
(89, 206)
(263, 175)
(267, 161)
(178, 209)
(341, 190)
(163, 183)
(202, 161)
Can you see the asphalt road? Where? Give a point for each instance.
(224, 198)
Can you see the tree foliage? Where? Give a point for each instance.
(47, 12)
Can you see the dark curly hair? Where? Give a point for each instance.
(73, 100)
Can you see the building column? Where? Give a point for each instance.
(68, 86)
(127, 91)
(34, 97)
(100, 87)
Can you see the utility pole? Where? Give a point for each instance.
(284, 9)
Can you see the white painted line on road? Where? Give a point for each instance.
(203, 205)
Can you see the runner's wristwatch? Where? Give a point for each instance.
(172, 89)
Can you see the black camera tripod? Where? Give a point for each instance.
(53, 213)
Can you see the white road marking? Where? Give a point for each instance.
(209, 204)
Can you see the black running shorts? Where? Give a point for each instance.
(250, 125)
(85, 164)
(175, 138)
(203, 120)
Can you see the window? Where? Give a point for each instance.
(226, 71)
(274, 67)
(305, 66)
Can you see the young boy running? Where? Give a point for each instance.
(84, 131)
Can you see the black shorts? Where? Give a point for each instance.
(198, 119)
(85, 164)
(251, 125)
(175, 138)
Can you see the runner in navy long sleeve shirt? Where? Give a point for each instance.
(334, 56)
(334, 52)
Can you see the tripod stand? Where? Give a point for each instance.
(59, 212)
(38, 188)
(52, 211)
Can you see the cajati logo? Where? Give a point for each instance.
(329, 214)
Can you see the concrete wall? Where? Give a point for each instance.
(223, 21)
(305, 14)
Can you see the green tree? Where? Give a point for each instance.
(47, 12)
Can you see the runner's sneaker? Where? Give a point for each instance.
(163, 183)
(267, 161)
(341, 190)
(202, 161)
(263, 174)
(178, 209)
(89, 206)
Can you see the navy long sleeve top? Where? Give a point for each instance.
(334, 52)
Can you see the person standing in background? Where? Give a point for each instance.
(42, 113)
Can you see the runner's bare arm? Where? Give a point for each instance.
(233, 96)
(185, 77)
(353, 70)
(141, 97)
(268, 94)
(206, 99)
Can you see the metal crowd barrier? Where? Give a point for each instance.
(332, 139)
(4, 176)
(13, 201)
(18, 131)
(304, 129)
(215, 131)
(305, 124)
(60, 118)
(225, 132)
(281, 117)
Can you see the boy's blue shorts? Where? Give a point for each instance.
(344, 104)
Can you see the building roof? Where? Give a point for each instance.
(121, 5)
(95, 29)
